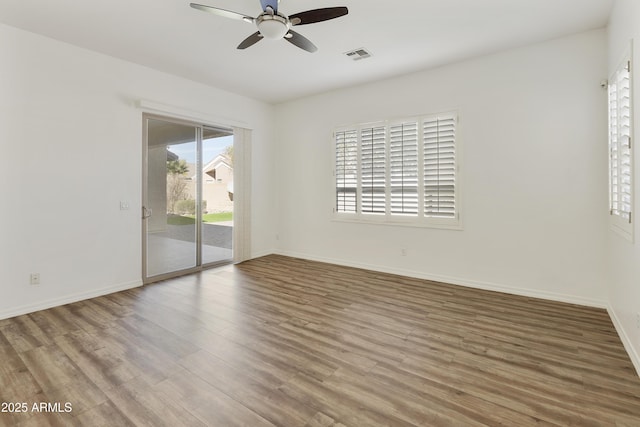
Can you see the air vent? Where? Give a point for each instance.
(358, 54)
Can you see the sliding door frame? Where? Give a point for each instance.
(241, 173)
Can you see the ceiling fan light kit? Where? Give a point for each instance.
(274, 25)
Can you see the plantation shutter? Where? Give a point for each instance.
(439, 153)
(620, 142)
(403, 160)
(346, 171)
(399, 172)
(373, 169)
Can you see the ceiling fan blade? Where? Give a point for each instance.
(317, 15)
(222, 12)
(272, 3)
(251, 40)
(301, 41)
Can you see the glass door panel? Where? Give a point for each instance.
(171, 198)
(217, 195)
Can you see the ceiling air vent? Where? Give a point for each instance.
(358, 54)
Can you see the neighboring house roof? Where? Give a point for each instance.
(221, 160)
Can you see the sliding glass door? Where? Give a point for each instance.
(187, 197)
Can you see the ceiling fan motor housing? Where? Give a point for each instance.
(273, 26)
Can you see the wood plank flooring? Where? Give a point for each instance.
(278, 341)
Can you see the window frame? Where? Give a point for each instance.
(389, 218)
(621, 224)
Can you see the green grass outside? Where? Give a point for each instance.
(217, 217)
(190, 219)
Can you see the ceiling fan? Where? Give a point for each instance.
(275, 25)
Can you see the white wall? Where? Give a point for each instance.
(71, 147)
(624, 255)
(534, 183)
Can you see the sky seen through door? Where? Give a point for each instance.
(210, 149)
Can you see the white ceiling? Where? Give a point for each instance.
(403, 36)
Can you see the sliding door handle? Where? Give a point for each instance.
(146, 212)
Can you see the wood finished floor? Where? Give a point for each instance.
(285, 342)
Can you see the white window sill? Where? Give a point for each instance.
(437, 223)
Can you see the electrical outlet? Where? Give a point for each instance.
(403, 251)
(34, 279)
(637, 320)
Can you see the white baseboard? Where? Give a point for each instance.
(68, 299)
(260, 254)
(631, 351)
(533, 293)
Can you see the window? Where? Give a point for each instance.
(620, 155)
(401, 172)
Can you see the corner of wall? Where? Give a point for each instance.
(628, 345)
